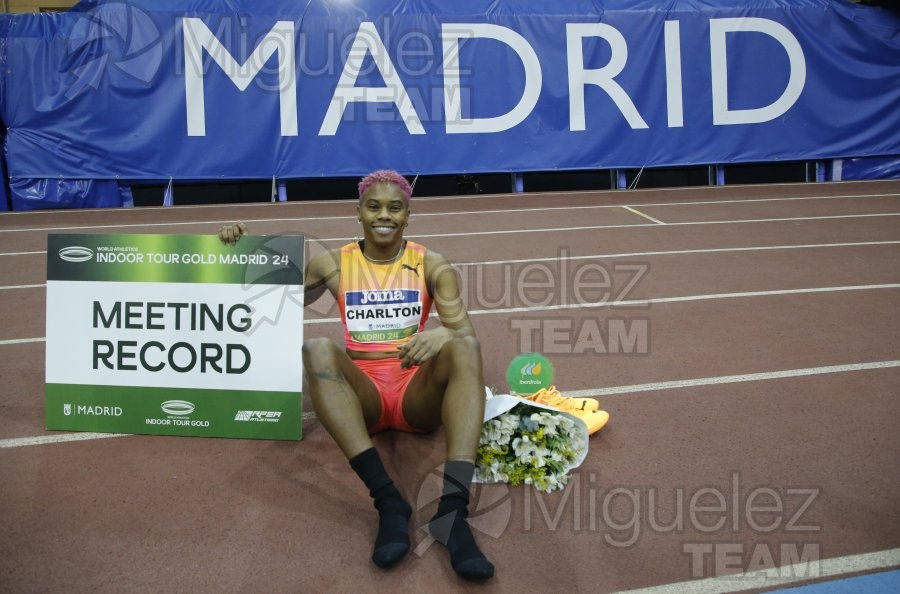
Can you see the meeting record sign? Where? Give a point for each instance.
(175, 335)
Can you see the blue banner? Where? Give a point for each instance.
(4, 189)
(866, 168)
(42, 194)
(240, 89)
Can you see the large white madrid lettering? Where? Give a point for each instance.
(718, 28)
(602, 77)
(368, 41)
(455, 123)
(280, 39)
(198, 37)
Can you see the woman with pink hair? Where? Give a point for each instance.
(392, 373)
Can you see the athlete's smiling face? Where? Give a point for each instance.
(384, 213)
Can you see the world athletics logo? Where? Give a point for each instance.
(76, 253)
(177, 407)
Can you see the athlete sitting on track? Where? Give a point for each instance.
(394, 374)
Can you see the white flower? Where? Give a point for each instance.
(525, 435)
(490, 432)
(509, 423)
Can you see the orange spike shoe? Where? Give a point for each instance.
(595, 420)
(552, 397)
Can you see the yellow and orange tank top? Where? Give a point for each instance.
(382, 305)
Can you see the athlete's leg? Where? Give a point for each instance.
(344, 398)
(346, 402)
(449, 388)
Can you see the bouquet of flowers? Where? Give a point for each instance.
(523, 442)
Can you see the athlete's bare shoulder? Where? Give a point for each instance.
(434, 260)
(323, 268)
(437, 267)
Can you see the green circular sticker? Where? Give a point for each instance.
(528, 373)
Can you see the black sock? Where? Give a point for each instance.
(449, 525)
(392, 541)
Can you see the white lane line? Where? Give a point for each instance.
(18, 442)
(679, 252)
(686, 203)
(22, 340)
(730, 379)
(619, 303)
(642, 226)
(42, 252)
(183, 207)
(779, 576)
(656, 300)
(683, 298)
(171, 224)
(640, 214)
(311, 239)
(637, 254)
(440, 214)
(629, 255)
(705, 381)
(503, 232)
(55, 438)
(617, 194)
(784, 199)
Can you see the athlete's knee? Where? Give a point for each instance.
(463, 349)
(320, 353)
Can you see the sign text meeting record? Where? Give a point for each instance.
(175, 335)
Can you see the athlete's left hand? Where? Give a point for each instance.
(424, 346)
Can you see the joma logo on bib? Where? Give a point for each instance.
(381, 297)
(389, 297)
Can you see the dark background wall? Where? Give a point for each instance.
(492, 183)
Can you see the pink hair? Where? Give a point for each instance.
(385, 176)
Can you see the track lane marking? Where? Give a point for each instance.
(724, 379)
(637, 254)
(681, 299)
(55, 438)
(680, 252)
(507, 196)
(22, 340)
(444, 214)
(563, 229)
(619, 303)
(731, 379)
(627, 255)
(655, 300)
(642, 226)
(640, 214)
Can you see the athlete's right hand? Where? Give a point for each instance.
(230, 234)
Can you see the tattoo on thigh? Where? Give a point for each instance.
(329, 376)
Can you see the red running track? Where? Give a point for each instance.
(754, 407)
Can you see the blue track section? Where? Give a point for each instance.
(887, 582)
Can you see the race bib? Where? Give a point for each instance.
(382, 316)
